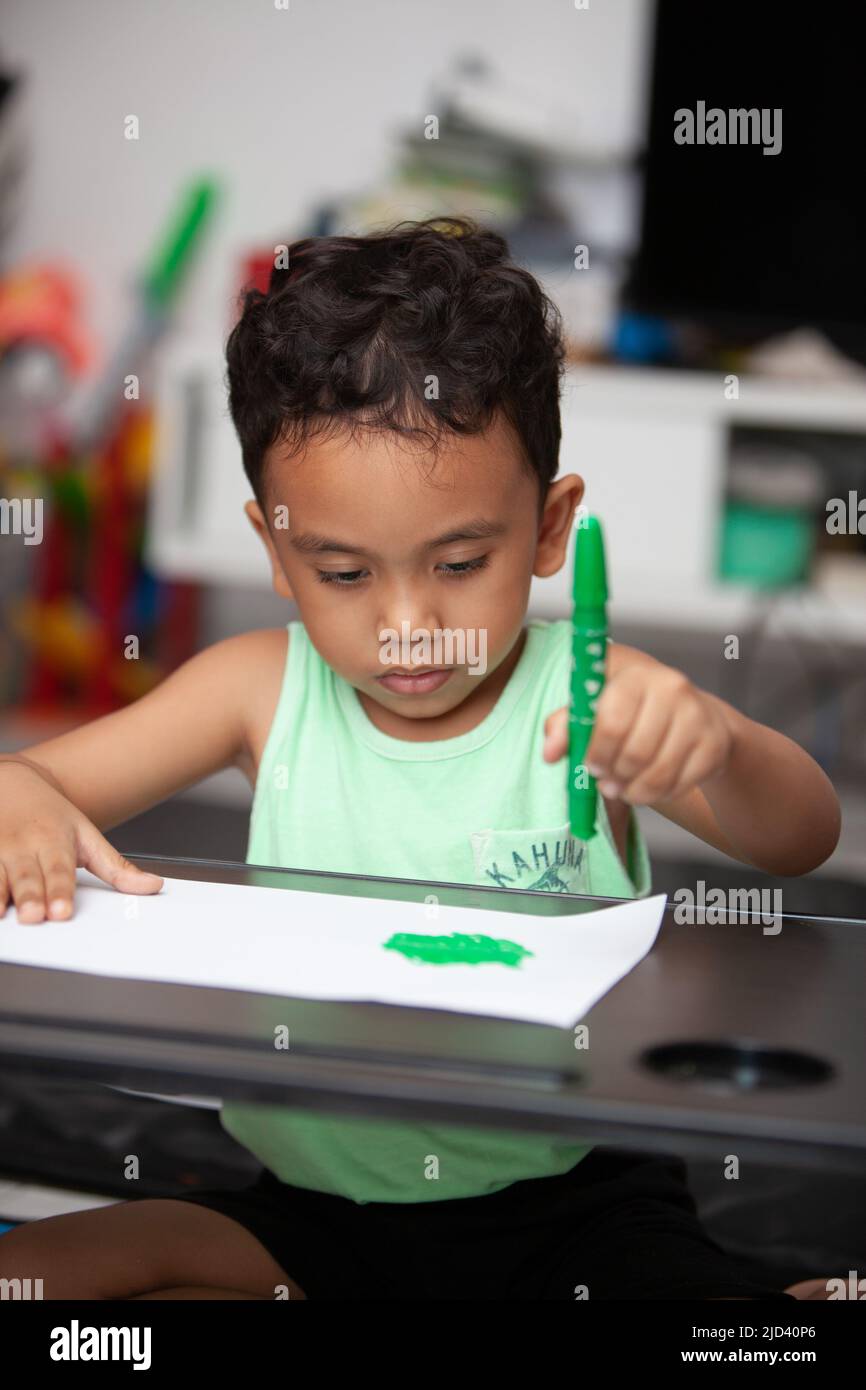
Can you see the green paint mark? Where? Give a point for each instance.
(457, 949)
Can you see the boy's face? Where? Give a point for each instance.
(378, 542)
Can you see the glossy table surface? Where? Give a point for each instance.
(726, 1038)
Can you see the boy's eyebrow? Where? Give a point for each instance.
(309, 542)
(469, 531)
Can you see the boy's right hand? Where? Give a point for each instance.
(43, 838)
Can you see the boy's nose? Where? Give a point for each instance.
(407, 618)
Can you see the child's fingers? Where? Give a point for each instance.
(26, 886)
(58, 873)
(615, 717)
(556, 735)
(102, 859)
(695, 770)
(707, 758)
(638, 749)
(657, 782)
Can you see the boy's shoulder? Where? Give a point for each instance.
(251, 655)
(251, 665)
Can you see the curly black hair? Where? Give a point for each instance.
(426, 328)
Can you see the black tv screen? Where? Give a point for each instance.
(742, 240)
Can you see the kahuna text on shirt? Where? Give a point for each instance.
(552, 861)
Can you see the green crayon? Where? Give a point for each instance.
(588, 652)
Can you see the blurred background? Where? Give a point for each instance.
(153, 157)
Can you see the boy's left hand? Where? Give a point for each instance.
(656, 735)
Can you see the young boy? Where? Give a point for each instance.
(396, 400)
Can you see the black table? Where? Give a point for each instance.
(724, 1039)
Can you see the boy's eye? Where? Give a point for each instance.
(340, 576)
(456, 569)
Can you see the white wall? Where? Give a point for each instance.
(287, 107)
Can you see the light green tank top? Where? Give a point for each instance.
(335, 793)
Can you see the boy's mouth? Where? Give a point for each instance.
(415, 682)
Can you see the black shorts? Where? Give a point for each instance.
(619, 1225)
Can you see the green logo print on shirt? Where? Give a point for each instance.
(549, 860)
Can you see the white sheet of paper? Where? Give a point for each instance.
(325, 946)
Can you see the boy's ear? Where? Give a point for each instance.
(257, 521)
(555, 525)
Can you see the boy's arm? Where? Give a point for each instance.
(771, 805)
(736, 784)
(200, 719)
(768, 803)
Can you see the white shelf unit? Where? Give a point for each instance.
(651, 446)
